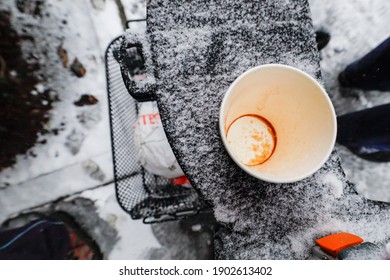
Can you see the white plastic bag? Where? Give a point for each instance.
(154, 152)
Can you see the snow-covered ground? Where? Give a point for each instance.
(77, 163)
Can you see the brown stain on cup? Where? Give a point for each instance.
(261, 146)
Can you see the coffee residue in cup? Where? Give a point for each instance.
(252, 139)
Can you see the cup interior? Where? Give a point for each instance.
(300, 112)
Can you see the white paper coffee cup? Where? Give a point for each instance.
(291, 105)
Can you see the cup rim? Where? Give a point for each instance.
(257, 174)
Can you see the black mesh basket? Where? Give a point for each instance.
(141, 194)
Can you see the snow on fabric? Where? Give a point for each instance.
(154, 152)
(198, 48)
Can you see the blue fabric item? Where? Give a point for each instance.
(38, 240)
(371, 72)
(366, 133)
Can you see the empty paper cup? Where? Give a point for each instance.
(277, 123)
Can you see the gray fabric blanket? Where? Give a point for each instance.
(197, 48)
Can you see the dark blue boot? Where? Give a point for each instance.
(366, 133)
(371, 72)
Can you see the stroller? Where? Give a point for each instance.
(143, 195)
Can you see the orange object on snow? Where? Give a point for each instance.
(335, 243)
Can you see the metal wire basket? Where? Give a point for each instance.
(141, 194)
